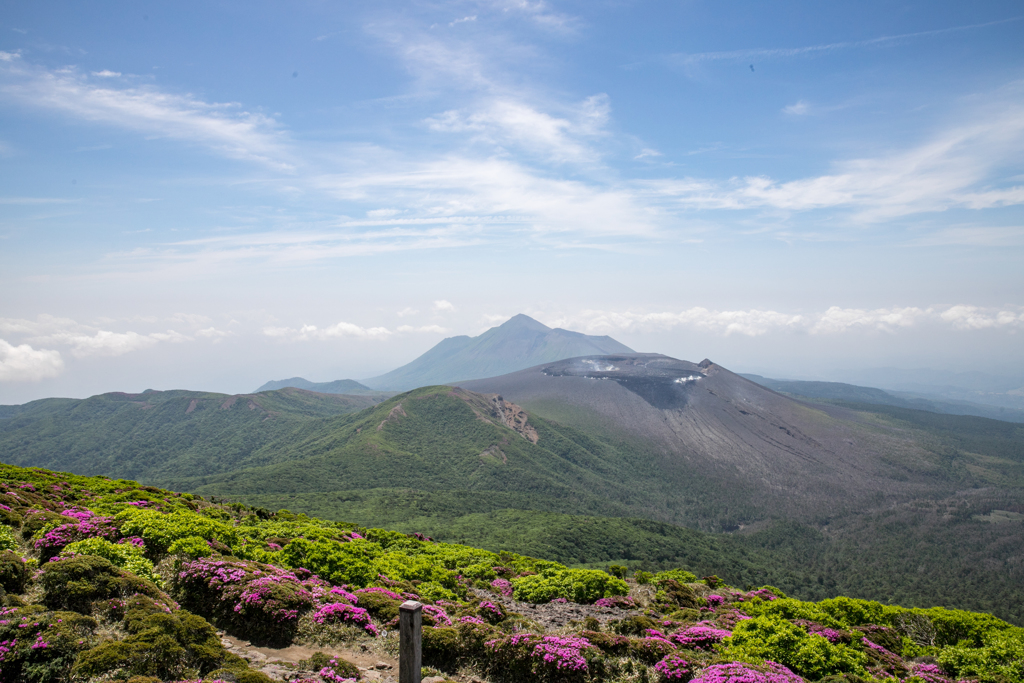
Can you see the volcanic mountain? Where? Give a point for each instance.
(780, 454)
(518, 343)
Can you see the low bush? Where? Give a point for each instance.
(40, 645)
(578, 585)
(126, 555)
(74, 583)
(260, 602)
(14, 573)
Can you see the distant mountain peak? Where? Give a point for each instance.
(518, 343)
(525, 322)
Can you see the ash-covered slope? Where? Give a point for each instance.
(788, 455)
(518, 343)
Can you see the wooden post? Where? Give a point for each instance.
(410, 643)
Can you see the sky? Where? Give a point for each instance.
(209, 195)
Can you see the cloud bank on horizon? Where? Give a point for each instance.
(371, 180)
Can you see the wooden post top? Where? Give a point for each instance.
(410, 606)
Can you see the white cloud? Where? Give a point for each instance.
(407, 311)
(22, 363)
(222, 127)
(506, 121)
(797, 108)
(974, 318)
(443, 305)
(106, 73)
(463, 20)
(756, 322)
(647, 152)
(214, 334)
(837, 319)
(336, 331)
(107, 343)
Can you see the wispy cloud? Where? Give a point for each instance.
(443, 306)
(758, 322)
(223, 127)
(345, 330)
(684, 59)
(799, 108)
(949, 170)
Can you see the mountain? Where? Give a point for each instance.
(800, 459)
(851, 393)
(338, 386)
(518, 343)
(157, 434)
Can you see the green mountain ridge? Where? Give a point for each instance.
(338, 386)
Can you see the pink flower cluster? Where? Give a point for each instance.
(383, 591)
(619, 601)
(55, 539)
(738, 672)
(503, 586)
(135, 541)
(715, 600)
(491, 607)
(471, 620)
(329, 674)
(340, 611)
(673, 668)
(563, 652)
(437, 614)
(930, 673)
(250, 587)
(700, 637)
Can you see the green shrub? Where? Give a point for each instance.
(770, 637)
(14, 572)
(192, 547)
(46, 648)
(341, 667)
(442, 648)
(124, 555)
(160, 531)
(7, 541)
(680, 575)
(633, 625)
(577, 585)
(75, 582)
(169, 646)
(999, 659)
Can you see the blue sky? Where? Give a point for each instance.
(208, 195)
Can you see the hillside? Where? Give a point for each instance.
(520, 342)
(156, 586)
(157, 435)
(338, 386)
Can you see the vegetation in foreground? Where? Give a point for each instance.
(109, 580)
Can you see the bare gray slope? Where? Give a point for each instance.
(518, 343)
(708, 420)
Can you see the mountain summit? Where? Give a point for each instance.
(520, 342)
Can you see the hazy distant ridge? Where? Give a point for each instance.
(519, 343)
(338, 386)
